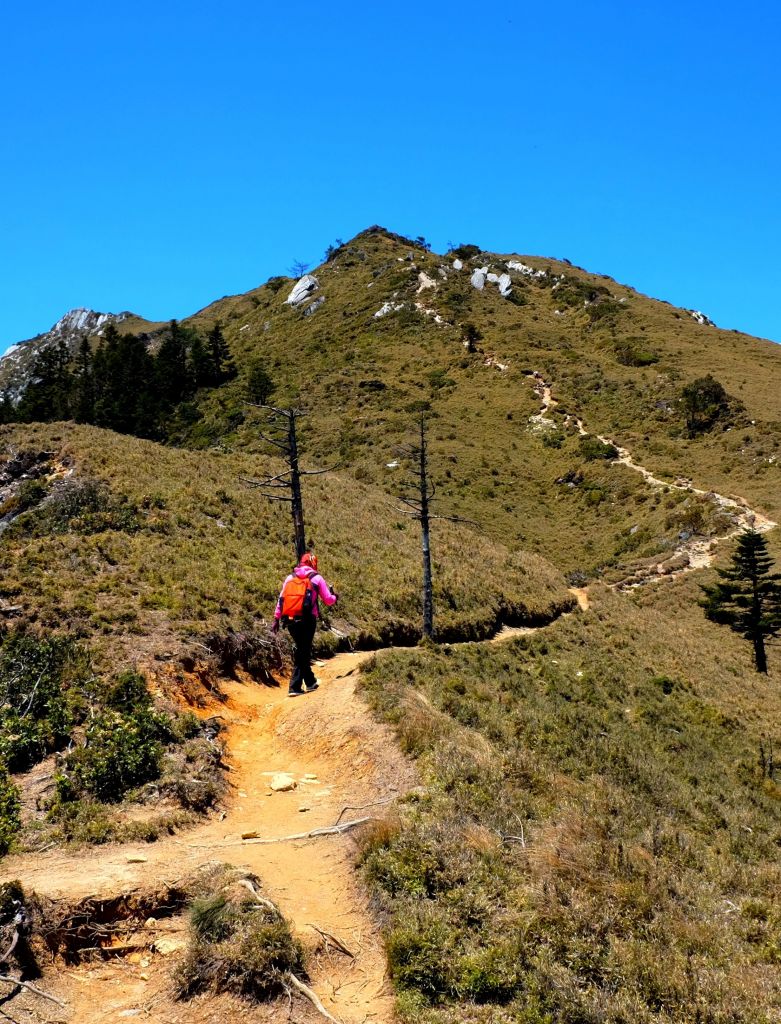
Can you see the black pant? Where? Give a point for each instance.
(302, 633)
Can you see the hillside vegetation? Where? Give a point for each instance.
(149, 547)
(598, 837)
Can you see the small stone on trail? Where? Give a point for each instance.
(310, 777)
(166, 946)
(136, 859)
(304, 807)
(282, 783)
(150, 922)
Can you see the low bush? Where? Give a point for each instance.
(592, 448)
(10, 807)
(46, 685)
(83, 506)
(238, 942)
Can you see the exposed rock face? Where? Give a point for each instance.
(314, 306)
(302, 289)
(424, 281)
(16, 365)
(525, 269)
(701, 318)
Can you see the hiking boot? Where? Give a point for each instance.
(312, 686)
(295, 693)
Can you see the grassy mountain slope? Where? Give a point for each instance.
(366, 378)
(597, 841)
(179, 546)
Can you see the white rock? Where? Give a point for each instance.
(525, 269)
(302, 289)
(281, 782)
(388, 307)
(458, 265)
(493, 278)
(701, 318)
(478, 279)
(505, 285)
(314, 306)
(424, 281)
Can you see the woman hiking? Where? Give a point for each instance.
(297, 608)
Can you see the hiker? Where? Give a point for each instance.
(297, 608)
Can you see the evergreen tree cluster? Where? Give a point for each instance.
(120, 384)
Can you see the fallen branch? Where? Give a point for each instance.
(362, 807)
(33, 988)
(334, 941)
(305, 990)
(331, 830)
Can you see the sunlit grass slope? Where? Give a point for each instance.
(596, 840)
(197, 550)
(366, 379)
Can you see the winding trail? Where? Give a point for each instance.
(340, 758)
(343, 763)
(690, 554)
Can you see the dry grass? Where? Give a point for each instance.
(596, 841)
(210, 553)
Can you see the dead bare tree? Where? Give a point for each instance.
(298, 268)
(419, 507)
(283, 436)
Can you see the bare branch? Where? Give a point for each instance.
(319, 472)
(272, 440)
(457, 519)
(404, 512)
(32, 988)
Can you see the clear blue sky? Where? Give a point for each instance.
(159, 155)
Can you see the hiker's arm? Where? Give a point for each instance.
(328, 596)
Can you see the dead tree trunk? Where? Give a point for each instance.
(425, 537)
(287, 483)
(419, 508)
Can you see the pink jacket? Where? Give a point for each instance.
(321, 590)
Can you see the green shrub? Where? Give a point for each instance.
(632, 352)
(592, 448)
(29, 494)
(45, 687)
(82, 506)
(120, 753)
(10, 811)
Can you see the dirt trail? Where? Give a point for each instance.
(339, 757)
(694, 553)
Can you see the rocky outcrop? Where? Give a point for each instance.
(17, 362)
(302, 289)
(478, 278)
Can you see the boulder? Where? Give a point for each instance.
(478, 279)
(281, 782)
(314, 306)
(458, 265)
(302, 289)
(505, 285)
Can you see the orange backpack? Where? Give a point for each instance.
(298, 597)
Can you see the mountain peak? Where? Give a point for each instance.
(88, 320)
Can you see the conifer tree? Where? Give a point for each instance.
(83, 384)
(172, 374)
(747, 597)
(224, 368)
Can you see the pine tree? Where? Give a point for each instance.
(48, 396)
(83, 384)
(220, 355)
(747, 597)
(172, 374)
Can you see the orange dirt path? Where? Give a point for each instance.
(349, 759)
